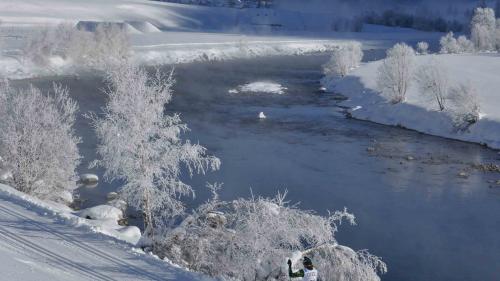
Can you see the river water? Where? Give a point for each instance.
(412, 208)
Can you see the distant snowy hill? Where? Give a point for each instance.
(169, 33)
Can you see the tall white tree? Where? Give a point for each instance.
(497, 35)
(395, 74)
(344, 59)
(141, 145)
(37, 140)
(483, 27)
(432, 80)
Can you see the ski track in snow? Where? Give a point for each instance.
(58, 249)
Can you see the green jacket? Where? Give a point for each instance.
(292, 274)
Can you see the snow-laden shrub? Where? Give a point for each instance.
(432, 80)
(483, 28)
(449, 44)
(464, 106)
(111, 47)
(251, 239)
(452, 45)
(343, 60)
(141, 145)
(38, 142)
(106, 47)
(395, 74)
(422, 48)
(465, 45)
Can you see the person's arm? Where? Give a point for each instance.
(292, 274)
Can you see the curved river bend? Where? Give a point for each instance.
(417, 214)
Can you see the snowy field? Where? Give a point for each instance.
(419, 112)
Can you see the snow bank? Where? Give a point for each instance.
(260, 87)
(105, 222)
(101, 212)
(420, 114)
(173, 53)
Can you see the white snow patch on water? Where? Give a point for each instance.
(260, 87)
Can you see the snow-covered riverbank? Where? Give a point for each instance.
(40, 242)
(166, 33)
(421, 114)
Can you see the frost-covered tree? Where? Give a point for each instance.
(106, 47)
(483, 26)
(395, 74)
(422, 48)
(464, 106)
(343, 60)
(141, 145)
(465, 45)
(111, 47)
(250, 239)
(449, 44)
(432, 81)
(37, 140)
(497, 35)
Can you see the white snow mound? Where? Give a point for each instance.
(101, 212)
(260, 87)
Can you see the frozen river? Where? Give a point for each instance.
(412, 208)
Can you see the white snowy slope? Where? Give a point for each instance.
(419, 112)
(36, 244)
(166, 33)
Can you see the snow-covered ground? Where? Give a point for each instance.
(166, 33)
(419, 112)
(39, 241)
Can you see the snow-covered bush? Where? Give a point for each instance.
(422, 48)
(432, 80)
(395, 74)
(106, 47)
(41, 46)
(449, 44)
(465, 45)
(464, 106)
(111, 47)
(141, 145)
(483, 28)
(250, 239)
(38, 142)
(343, 60)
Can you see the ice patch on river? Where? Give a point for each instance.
(260, 87)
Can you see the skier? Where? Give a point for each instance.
(309, 273)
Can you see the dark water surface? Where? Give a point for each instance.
(418, 215)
